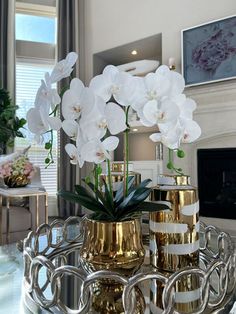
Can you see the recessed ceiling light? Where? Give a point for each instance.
(134, 52)
(135, 130)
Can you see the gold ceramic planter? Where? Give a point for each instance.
(115, 246)
(174, 238)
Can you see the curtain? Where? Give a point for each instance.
(7, 44)
(7, 52)
(70, 38)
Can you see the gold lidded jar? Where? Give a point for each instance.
(174, 236)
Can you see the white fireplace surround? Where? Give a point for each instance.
(216, 114)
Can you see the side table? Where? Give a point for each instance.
(10, 193)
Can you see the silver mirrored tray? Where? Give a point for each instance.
(55, 282)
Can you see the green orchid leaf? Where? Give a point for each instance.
(103, 199)
(86, 201)
(144, 183)
(108, 195)
(120, 191)
(152, 207)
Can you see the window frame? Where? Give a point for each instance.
(37, 53)
(30, 49)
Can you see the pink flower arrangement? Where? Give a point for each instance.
(19, 166)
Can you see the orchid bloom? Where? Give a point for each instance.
(161, 112)
(170, 139)
(64, 67)
(113, 82)
(102, 118)
(97, 151)
(191, 131)
(39, 122)
(46, 95)
(76, 100)
(175, 79)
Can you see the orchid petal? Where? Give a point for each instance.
(191, 132)
(54, 123)
(115, 117)
(110, 143)
(35, 123)
(150, 111)
(71, 58)
(93, 151)
(101, 87)
(155, 137)
(72, 152)
(70, 127)
(63, 68)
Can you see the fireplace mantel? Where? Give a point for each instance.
(216, 114)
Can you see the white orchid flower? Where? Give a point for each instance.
(191, 131)
(175, 79)
(39, 122)
(77, 100)
(46, 95)
(49, 122)
(104, 117)
(186, 108)
(35, 123)
(170, 139)
(70, 127)
(156, 86)
(164, 111)
(103, 84)
(97, 151)
(64, 67)
(112, 82)
(73, 153)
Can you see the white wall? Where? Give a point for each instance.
(111, 23)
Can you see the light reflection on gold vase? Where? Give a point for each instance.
(114, 246)
(174, 238)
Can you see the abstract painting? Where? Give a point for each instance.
(209, 52)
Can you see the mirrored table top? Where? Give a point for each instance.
(11, 278)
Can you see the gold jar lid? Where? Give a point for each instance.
(168, 179)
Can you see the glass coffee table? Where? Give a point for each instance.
(51, 279)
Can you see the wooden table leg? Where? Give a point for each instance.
(8, 219)
(46, 208)
(37, 211)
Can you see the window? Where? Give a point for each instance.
(35, 52)
(35, 28)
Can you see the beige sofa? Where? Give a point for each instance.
(22, 215)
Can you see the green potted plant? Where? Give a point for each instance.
(93, 117)
(10, 124)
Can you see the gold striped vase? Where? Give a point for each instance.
(174, 239)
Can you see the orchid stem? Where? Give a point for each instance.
(126, 152)
(96, 178)
(171, 165)
(109, 177)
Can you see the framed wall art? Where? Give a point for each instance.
(209, 52)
